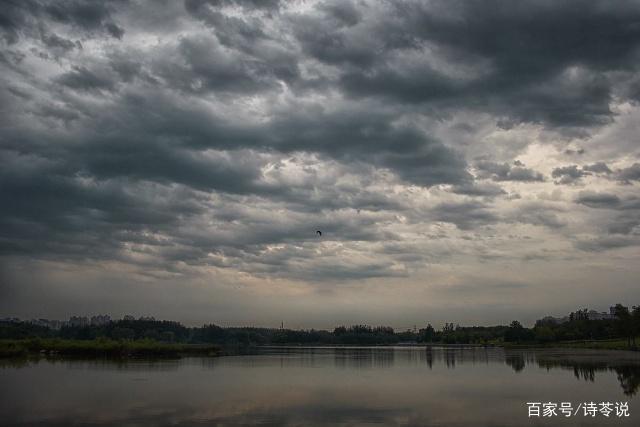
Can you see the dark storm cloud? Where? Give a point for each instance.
(85, 14)
(127, 67)
(114, 30)
(344, 11)
(14, 16)
(83, 79)
(53, 41)
(195, 6)
(58, 112)
(231, 28)
(540, 62)
(347, 135)
(21, 17)
(202, 65)
(227, 134)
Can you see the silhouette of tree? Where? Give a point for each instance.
(624, 322)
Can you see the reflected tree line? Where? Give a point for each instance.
(627, 372)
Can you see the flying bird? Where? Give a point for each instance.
(319, 232)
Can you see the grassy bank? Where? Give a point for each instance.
(102, 348)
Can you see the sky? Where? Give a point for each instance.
(466, 161)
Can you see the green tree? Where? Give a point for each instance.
(544, 334)
(428, 334)
(517, 332)
(635, 321)
(123, 334)
(624, 322)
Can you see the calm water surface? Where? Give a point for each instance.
(322, 386)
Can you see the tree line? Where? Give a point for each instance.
(625, 325)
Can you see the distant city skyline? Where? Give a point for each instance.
(319, 162)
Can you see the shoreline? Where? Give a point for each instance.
(106, 348)
(101, 348)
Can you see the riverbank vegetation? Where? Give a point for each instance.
(102, 347)
(153, 337)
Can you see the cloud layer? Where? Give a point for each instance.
(436, 145)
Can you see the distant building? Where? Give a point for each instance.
(554, 320)
(51, 324)
(594, 315)
(591, 315)
(78, 321)
(100, 320)
(56, 324)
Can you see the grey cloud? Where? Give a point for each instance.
(200, 64)
(344, 11)
(598, 167)
(14, 16)
(624, 224)
(83, 79)
(361, 135)
(570, 152)
(598, 200)
(223, 135)
(58, 112)
(54, 41)
(608, 200)
(205, 171)
(195, 6)
(626, 175)
(483, 286)
(506, 172)
(127, 67)
(539, 214)
(465, 215)
(81, 219)
(557, 79)
(568, 174)
(86, 14)
(323, 39)
(572, 174)
(478, 189)
(22, 17)
(114, 30)
(605, 243)
(334, 270)
(269, 53)
(627, 209)
(627, 221)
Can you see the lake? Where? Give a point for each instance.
(353, 386)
